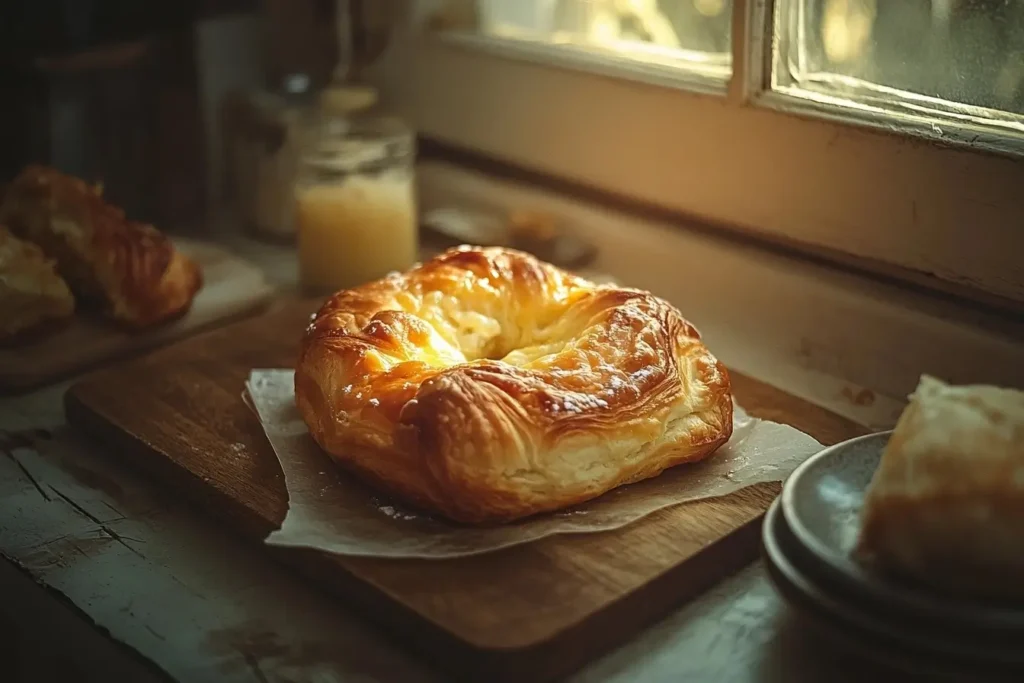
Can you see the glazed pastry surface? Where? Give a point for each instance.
(487, 386)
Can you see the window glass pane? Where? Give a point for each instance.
(963, 58)
(687, 33)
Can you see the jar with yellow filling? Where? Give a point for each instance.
(355, 203)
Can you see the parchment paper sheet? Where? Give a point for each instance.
(330, 511)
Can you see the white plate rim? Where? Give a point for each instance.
(846, 615)
(850, 573)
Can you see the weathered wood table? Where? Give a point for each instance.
(107, 577)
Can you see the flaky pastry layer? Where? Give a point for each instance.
(487, 386)
(130, 269)
(33, 298)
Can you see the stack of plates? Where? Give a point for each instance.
(808, 536)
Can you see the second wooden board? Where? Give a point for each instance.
(232, 288)
(531, 612)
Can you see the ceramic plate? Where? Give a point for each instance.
(822, 502)
(875, 632)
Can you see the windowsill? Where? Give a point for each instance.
(847, 343)
(852, 194)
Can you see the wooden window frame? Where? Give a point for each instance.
(896, 196)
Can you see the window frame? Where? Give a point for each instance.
(939, 128)
(894, 197)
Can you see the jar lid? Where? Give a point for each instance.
(347, 99)
(350, 132)
(348, 113)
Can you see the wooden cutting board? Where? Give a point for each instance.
(528, 613)
(232, 288)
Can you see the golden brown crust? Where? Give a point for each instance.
(488, 386)
(131, 269)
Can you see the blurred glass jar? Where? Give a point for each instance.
(355, 198)
(262, 132)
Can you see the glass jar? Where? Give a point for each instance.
(264, 131)
(355, 202)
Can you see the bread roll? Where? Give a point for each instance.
(946, 505)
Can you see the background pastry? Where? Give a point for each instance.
(487, 386)
(946, 506)
(130, 269)
(33, 298)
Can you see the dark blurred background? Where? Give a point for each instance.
(109, 89)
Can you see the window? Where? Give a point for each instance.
(951, 60)
(688, 34)
(883, 134)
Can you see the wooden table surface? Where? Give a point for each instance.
(108, 578)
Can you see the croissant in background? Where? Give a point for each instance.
(33, 298)
(130, 269)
